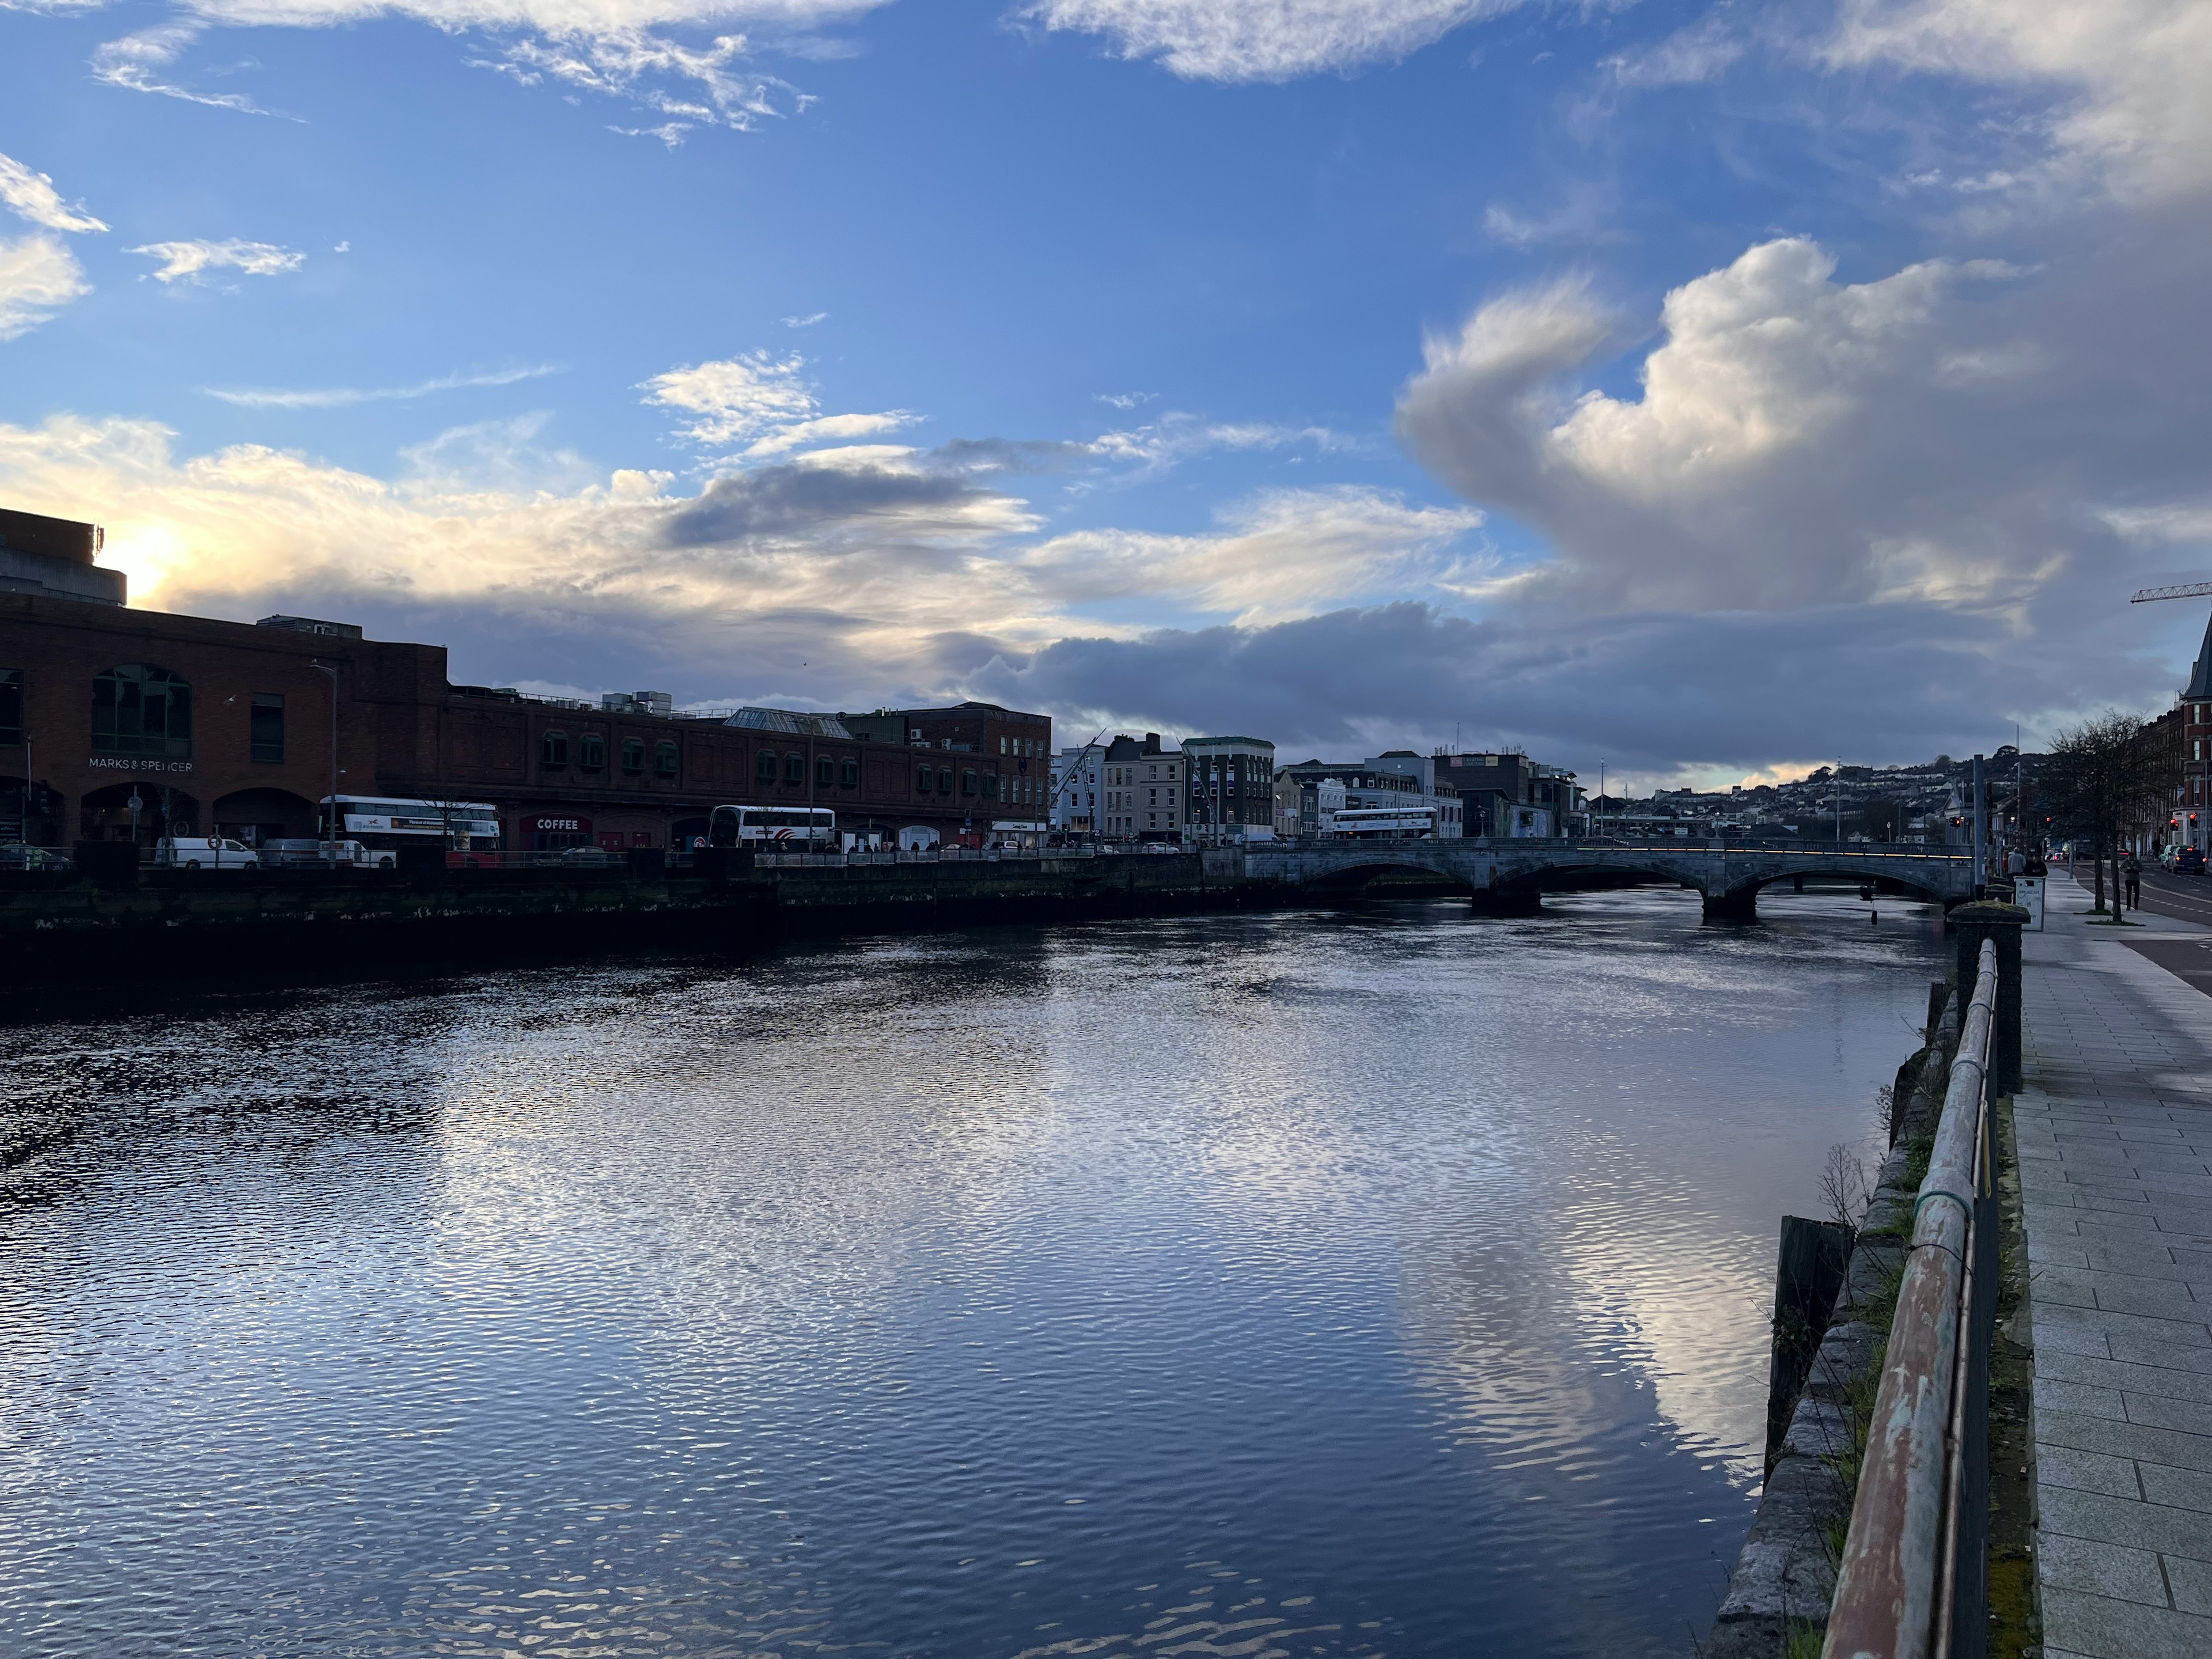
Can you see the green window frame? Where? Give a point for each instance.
(265, 727)
(138, 708)
(664, 760)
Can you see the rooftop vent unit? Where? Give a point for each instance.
(310, 625)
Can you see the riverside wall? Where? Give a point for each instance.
(176, 923)
(1776, 1601)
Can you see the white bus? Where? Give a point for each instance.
(1378, 822)
(810, 826)
(381, 822)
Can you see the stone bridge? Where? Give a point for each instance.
(1511, 876)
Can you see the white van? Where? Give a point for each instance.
(205, 853)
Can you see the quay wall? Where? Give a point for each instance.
(166, 923)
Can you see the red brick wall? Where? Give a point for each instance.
(402, 732)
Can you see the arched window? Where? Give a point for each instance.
(139, 709)
(966, 780)
(764, 768)
(794, 769)
(664, 760)
(825, 771)
(925, 779)
(850, 776)
(591, 751)
(990, 786)
(632, 755)
(555, 749)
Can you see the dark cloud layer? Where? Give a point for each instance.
(1652, 692)
(793, 501)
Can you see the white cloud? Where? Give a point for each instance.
(623, 48)
(807, 321)
(136, 63)
(1265, 40)
(1176, 437)
(1731, 481)
(31, 196)
(190, 261)
(1702, 51)
(759, 404)
(346, 397)
(2128, 78)
(37, 276)
(1283, 554)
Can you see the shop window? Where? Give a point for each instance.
(555, 749)
(591, 751)
(633, 752)
(825, 771)
(265, 726)
(925, 780)
(664, 760)
(944, 780)
(764, 768)
(139, 709)
(849, 774)
(794, 769)
(966, 780)
(11, 706)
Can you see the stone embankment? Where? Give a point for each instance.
(173, 922)
(1777, 1601)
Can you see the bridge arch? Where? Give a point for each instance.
(1738, 901)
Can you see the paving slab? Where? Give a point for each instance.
(2115, 1134)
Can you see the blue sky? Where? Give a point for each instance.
(1708, 389)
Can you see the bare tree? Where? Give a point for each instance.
(1848, 1187)
(2106, 780)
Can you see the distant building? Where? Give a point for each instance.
(1230, 793)
(1310, 794)
(1144, 789)
(54, 557)
(1140, 790)
(1076, 783)
(1506, 793)
(2194, 807)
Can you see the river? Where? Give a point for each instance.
(1389, 1281)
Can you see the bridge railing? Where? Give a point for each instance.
(1913, 1581)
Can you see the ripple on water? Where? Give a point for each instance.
(1363, 1283)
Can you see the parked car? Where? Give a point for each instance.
(2188, 861)
(31, 858)
(205, 853)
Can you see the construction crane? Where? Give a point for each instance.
(2186, 591)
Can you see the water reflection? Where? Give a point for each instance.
(1386, 1282)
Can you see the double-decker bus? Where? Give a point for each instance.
(805, 826)
(381, 822)
(1378, 822)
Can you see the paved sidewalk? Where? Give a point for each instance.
(2115, 1126)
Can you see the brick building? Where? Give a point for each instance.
(2193, 805)
(228, 728)
(1232, 788)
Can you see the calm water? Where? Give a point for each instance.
(1353, 1283)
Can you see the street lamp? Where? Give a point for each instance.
(332, 800)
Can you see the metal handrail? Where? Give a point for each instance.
(1894, 1588)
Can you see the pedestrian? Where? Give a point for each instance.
(2131, 870)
